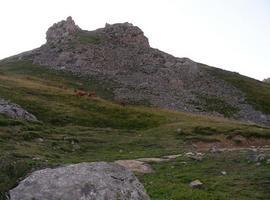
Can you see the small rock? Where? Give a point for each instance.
(268, 161)
(258, 164)
(36, 158)
(196, 184)
(173, 156)
(215, 150)
(179, 130)
(224, 173)
(40, 140)
(156, 160)
(254, 157)
(260, 157)
(195, 156)
(135, 166)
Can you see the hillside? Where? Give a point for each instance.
(120, 58)
(74, 128)
(106, 95)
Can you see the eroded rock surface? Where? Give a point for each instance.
(15, 111)
(84, 181)
(62, 31)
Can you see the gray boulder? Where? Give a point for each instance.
(15, 111)
(84, 181)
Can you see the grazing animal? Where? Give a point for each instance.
(81, 93)
(92, 94)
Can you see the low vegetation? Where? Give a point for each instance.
(214, 104)
(257, 92)
(75, 128)
(86, 37)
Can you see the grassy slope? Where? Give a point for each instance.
(257, 92)
(76, 129)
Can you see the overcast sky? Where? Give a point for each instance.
(229, 34)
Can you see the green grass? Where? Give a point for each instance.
(82, 129)
(171, 180)
(257, 92)
(89, 38)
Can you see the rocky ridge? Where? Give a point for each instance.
(120, 54)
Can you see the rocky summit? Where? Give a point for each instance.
(120, 56)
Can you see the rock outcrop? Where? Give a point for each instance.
(119, 56)
(267, 80)
(62, 31)
(15, 111)
(91, 181)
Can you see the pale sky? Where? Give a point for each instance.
(229, 34)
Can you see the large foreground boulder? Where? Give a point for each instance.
(84, 181)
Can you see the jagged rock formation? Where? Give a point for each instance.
(120, 55)
(15, 111)
(82, 181)
(62, 31)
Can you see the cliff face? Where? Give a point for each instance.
(120, 56)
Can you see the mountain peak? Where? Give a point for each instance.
(62, 31)
(126, 33)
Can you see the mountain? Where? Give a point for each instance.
(119, 58)
(106, 95)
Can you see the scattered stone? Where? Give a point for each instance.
(14, 111)
(196, 184)
(156, 160)
(135, 166)
(254, 157)
(215, 150)
(224, 173)
(99, 180)
(189, 154)
(258, 164)
(179, 130)
(173, 156)
(36, 158)
(195, 156)
(260, 158)
(40, 140)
